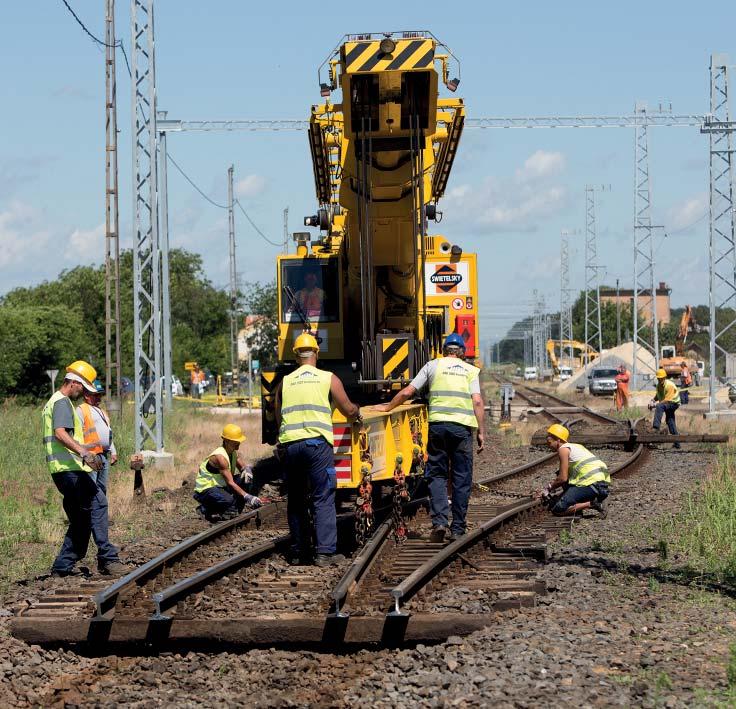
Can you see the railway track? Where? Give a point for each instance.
(390, 592)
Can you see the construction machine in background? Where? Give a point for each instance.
(377, 289)
(672, 356)
(587, 353)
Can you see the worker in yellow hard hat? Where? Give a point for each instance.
(666, 401)
(304, 411)
(222, 479)
(583, 476)
(72, 466)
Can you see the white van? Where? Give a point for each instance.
(565, 373)
(530, 373)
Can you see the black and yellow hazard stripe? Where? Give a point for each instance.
(395, 357)
(367, 56)
(269, 382)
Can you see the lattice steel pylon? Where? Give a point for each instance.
(538, 334)
(722, 290)
(146, 251)
(565, 297)
(112, 220)
(234, 362)
(593, 332)
(646, 332)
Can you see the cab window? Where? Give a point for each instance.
(309, 288)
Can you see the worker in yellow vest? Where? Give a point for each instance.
(666, 401)
(583, 476)
(304, 413)
(71, 465)
(98, 441)
(221, 479)
(456, 413)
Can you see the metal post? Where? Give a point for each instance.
(565, 296)
(146, 248)
(286, 230)
(722, 281)
(112, 222)
(618, 314)
(646, 334)
(250, 382)
(233, 283)
(165, 280)
(592, 284)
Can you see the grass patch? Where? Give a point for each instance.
(32, 521)
(704, 530)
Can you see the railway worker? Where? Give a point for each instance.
(221, 479)
(71, 465)
(311, 298)
(622, 388)
(686, 381)
(98, 441)
(306, 449)
(666, 401)
(456, 411)
(583, 476)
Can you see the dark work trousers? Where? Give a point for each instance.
(449, 455)
(222, 500)
(106, 551)
(667, 408)
(79, 490)
(310, 470)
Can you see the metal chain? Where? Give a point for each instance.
(400, 498)
(364, 521)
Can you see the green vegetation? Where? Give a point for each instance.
(731, 667)
(704, 530)
(49, 325)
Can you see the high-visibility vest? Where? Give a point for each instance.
(449, 393)
(590, 469)
(665, 389)
(207, 479)
(58, 457)
(305, 405)
(89, 430)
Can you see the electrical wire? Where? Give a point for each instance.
(117, 45)
(193, 184)
(252, 223)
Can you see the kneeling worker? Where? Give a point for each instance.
(583, 476)
(219, 488)
(306, 448)
(666, 401)
(456, 412)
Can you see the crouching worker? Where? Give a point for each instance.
(221, 481)
(583, 476)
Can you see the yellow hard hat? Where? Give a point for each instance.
(82, 372)
(558, 431)
(233, 432)
(661, 374)
(305, 341)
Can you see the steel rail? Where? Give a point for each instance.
(587, 410)
(106, 600)
(526, 467)
(433, 566)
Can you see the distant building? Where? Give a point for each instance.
(251, 321)
(625, 296)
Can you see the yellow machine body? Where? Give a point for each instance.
(377, 291)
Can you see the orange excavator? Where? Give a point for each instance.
(673, 356)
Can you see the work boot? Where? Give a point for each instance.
(322, 560)
(63, 573)
(437, 535)
(601, 507)
(676, 445)
(113, 568)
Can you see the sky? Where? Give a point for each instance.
(511, 192)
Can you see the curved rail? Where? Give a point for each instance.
(563, 402)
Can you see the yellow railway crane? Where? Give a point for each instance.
(376, 289)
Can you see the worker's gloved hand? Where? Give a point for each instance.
(93, 461)
(253, 501)
(248, 474)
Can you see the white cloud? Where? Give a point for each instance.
(541, 164)
(22, 238)
(688, 212)
(86, 245)
(250, 186)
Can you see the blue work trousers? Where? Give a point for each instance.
(106, 551)
(79, 490)
(667, 408)
(449, 456)
(222, 500)
(310, 472)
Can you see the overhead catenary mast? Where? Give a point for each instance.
(233, 282)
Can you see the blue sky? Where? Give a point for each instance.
(511, 192)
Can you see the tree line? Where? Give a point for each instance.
(47, 326)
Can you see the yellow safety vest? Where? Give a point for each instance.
(449, 393)
(305, 405)
(588, 470)
(207, 479)
(665, 389)
(58, 457)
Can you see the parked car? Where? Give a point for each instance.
(176, 386)
(602, 382)
(530, 373)
(565, 373)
